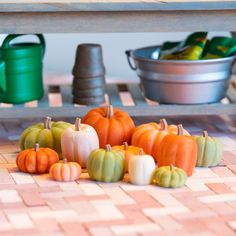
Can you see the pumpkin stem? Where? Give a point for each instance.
(78, 124)
(126, 146)
(171, 167)
(163, 124)
(140, 151)
(108, 147)
(110, 111)
(180, 130)
(205, 134)
(47, 122)
(64, 160)
(36, 147)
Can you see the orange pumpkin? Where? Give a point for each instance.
(128, 151)
(36, 160)
(149, 136)
(113, 126)
(65, 171)
(179, 150)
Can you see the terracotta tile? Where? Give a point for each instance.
(73, 229)
(100, 231)
(7, 196)
(105, 223)
(47, 226)
(138, 228)
(232, 225)
(222, 171)
(118, 196)
(192, 225)
(91, 189)
(57, 203)
(229, 158)
(20, 220)
(163, 211)
(143, 199)
(222, 208)
(218, 198)
(135, 216)
(221, 229)
(167, 223)
(32, 198)
(22, 178)
(107, 210)
(232, 168)
(219, 188)
(47, 189)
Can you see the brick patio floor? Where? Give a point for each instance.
(36, 205)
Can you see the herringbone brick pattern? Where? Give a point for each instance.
(36, 205)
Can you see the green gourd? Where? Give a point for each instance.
(169, 177)
(47, 134)
(210, 150)
(106, 165)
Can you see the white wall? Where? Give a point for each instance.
(61, 48)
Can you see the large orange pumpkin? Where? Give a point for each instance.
(36, 160)
(113, 126)
(179, 150)
(149, 136)
(128, 151)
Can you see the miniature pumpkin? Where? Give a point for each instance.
(149, 136)
(47, 134)
(36, 160)
(78, 141)
(169, 177)
(113, 126)
(65, 171)
(178, 150)
(210, 150)
(128, 151)
(106, 165)
(141, 168)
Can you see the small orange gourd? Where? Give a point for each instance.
(178, 150)
(128, 151)
(112, 125)
(65, 171)
(36, 160)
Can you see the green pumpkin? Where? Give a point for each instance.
(106, 165)
(47, 134)
(210, 150)
(169, 177)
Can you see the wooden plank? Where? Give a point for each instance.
(163, 110)
(67, 96)
(99, 22)
(137, 96)
(112, 5)
(113, 94)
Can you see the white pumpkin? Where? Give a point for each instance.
(141, 168)
(78, 141)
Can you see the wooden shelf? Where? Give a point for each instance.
(57, 102)
(54, 16)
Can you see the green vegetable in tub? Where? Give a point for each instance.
(219, 47)
(189, 49)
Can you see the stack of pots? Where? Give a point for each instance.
(89, 75)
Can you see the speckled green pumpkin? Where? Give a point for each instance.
(169, 177)
(210, 150)
(106, 165)
(47, 134)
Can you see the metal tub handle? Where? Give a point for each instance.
(128, 54)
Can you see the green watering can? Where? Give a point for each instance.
(21, 66)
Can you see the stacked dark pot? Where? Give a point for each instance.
(89, 75)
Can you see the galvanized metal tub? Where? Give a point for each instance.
(181, 81)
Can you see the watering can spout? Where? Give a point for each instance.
(2, 78)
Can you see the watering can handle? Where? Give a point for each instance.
(2, 77)
(10, 37)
